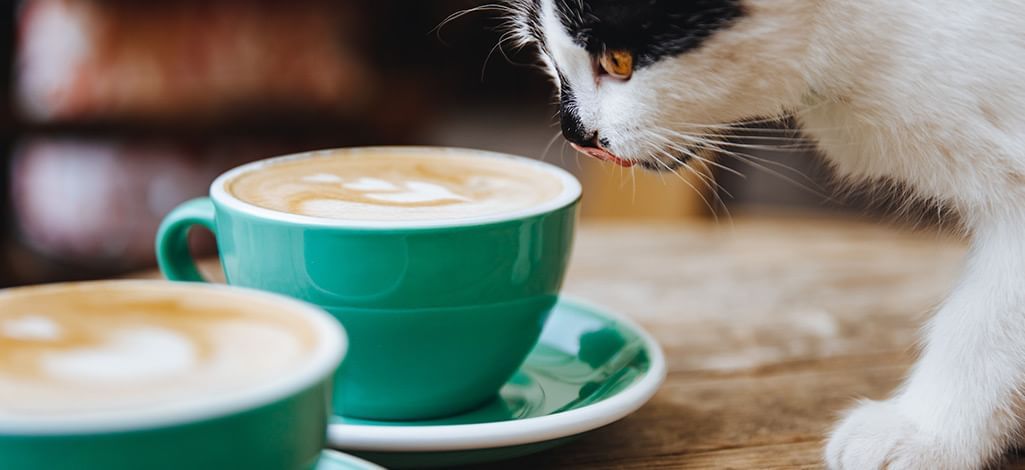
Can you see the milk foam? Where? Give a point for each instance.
(31, 327)
(99, 351)
(133, 354)
(396, 186)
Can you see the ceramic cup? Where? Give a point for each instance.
(277, 422)
(440, 314)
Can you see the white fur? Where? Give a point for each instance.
(927, 92)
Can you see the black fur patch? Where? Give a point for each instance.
(572, 129)
(651, 29)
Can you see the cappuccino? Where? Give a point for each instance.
(117, 348)
(397, 184)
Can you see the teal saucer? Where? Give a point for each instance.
(334, 460)
(590, 368)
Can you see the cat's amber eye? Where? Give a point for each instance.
(618, 63)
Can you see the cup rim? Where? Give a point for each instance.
(571, 191)
(319, 366)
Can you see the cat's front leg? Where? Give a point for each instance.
(957, 410)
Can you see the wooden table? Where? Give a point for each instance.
(772, 326)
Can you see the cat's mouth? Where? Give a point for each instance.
(604, 155)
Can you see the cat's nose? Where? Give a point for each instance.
(573, 130)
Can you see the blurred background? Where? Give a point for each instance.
(118, 110)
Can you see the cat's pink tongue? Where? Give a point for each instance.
(605, 155)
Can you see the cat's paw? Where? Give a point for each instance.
(876, 435)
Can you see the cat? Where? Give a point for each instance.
(930, 93)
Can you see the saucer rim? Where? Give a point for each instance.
(349, 459)
(458, 437)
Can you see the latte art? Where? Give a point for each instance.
(396, 186)
(102, 350)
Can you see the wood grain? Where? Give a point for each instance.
(772, 327)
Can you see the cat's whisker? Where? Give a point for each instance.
(701, 195)
(784, 135)
(768, 161)
(713, 187)
(747, 123)
(497, 46)
(492, 7)
(678, 147)
(544, 155)
(728, 142)
(754, 162)
(707, 179)
(633, 178)
(717, 146)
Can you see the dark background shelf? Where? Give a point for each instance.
(6, 136)
(427, 76)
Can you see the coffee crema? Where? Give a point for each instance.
(395, 185)
(101, 349)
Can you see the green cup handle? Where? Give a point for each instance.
(172, 239)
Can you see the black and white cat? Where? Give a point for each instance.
(927, 92)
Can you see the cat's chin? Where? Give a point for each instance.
(670, 161)
(662, 166)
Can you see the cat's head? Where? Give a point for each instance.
(645, 81)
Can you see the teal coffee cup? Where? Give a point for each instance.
(441, 303)
(150, 374)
